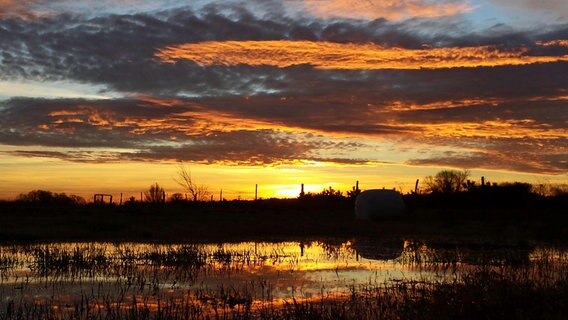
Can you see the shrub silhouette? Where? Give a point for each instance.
(447, 181)
(327, 193)
(177, 197)
(156, 194)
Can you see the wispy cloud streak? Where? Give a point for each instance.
(339, 56)
(388, 9)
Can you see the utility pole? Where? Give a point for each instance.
(255, 192)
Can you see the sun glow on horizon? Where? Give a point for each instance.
(235, 182)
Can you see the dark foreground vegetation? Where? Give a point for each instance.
(102, 281)
(486, 252)
(508, 211)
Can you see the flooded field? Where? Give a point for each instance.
(361, 278)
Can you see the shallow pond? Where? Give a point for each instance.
(79, 280)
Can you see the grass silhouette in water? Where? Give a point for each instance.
(156, 282)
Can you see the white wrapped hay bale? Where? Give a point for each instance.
(373, 204)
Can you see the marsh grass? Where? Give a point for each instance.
(121, 281)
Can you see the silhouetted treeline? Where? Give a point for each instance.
(490, 211)
(470, 196)
(499, 196)
(43, 197)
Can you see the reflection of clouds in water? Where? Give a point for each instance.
(266, 271)
(302, 270)
(253, 273)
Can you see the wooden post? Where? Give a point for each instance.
(255, 192)
(483, 181)
(140, 196)
(302, 190)
(357, 185)
(121, 198)
(211, 198)
(416, 186)
(221, 195)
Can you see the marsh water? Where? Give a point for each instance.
(74, 280)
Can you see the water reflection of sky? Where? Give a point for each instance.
(260, 272)
(299, 270)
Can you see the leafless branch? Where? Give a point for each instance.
(185, 180)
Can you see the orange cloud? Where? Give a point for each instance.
(553, 43)
(509, 129)
(349, 56)
(194, 122)
(450, 104)
(388, 9)
(16, 8)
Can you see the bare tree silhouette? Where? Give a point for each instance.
(198, 192)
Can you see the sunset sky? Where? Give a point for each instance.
(108, 96)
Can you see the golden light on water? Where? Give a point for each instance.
(220, 279)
